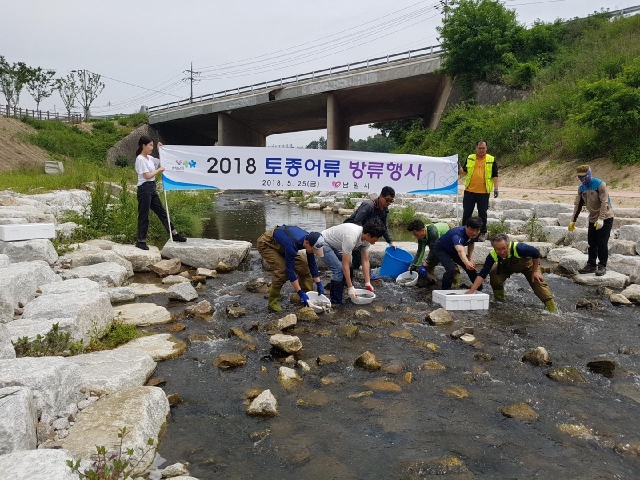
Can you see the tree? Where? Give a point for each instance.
(320, 144)
(68, 90)
(12, 80)
(378, 143)
(396, 130)
(41, 85)
(89, 91)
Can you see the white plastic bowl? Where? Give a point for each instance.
(364, 297)
(317, 301)
(403, 277)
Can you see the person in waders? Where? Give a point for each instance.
(427, 236)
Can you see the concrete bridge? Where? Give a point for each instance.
(382, 89)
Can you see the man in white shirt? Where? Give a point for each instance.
(339, 244)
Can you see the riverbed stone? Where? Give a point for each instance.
(121, 294)
(264, 404)
(19, 283)
(574, 430)
(172, 266)
(566, 375)
(404, 334)
(94, 255)
(200, 309)
(439, 317)
(54, 381)
(146, 289)
(326, 359)
(432, 365)
(182, 291)
(29, 250)
(456, 391)
(382, 386)
(229, 360)
(175, 470)
(632, 292)
(73, 285)
(307, 314)
(107, 274)
(610, 279)
(207, 272)
(142, 314)
(538, 356)
(283, 323)
(258, 285)
(110, 371)
(18, 419)
(367, 361)
(143, 410)
(141, 260)
(603, 366)
(629, 390)
(347, 331)
(174, 280)
(286, 343)
(208, 253)
(42, 464)
(288, 377)
(447, 467)
(619, 300)
(162, 346)
(519, 411)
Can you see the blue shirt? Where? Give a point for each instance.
(455, 236)
(291, 249)
(523, 250)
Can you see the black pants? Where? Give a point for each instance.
(599, 242)
(469, 201)
(448, 262)
(148, 199)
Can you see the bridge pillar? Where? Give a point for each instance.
(444, 91)
(337, 126)
(233, 133)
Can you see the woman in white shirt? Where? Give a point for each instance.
(147, 167)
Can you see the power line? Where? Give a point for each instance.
(191, 79)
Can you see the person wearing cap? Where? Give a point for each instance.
(482, 177)
(279, 248)
(339, 244)
(593, 194)
(427, 236)
(507, 258)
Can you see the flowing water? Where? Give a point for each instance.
(321, 433)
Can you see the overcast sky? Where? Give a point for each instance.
(232, 43)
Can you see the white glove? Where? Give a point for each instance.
(599, 224)
(351, 291)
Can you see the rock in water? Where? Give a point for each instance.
(264, 404)
(306, 314)
(286, 343)
(288, 377)
(603, 366)
(228, 360)
(539, 356)
(566, 375)
(368, 361)
(519, 411)
(439, 317)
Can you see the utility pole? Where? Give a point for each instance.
(445, 4)
(191, 78)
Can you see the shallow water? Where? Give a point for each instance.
(334, 436)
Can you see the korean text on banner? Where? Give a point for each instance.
(254, 168)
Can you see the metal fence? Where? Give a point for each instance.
(18, 112)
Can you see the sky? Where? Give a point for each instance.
(142, 49)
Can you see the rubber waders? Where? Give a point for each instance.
(335, 292)
(551, 306)
(274, 296)
(498, 295)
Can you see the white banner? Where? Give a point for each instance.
(255, 168)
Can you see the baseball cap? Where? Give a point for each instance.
(317, 242)
(582, 170)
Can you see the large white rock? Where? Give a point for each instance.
(107, 274)
(555, 235)
(162, 346)
(572, 263)
(6, 348)
(625, 264)
(101, 243)
(564, 219)
(44, 464)
(19, 282)
(146, 289)
(622, 247)
(4, 260)
(632, 292)
(54, 381)
(121, 294)
(30, 250)
(627, 212)
(286, 343)
(578, 235)
(556, 254)
(60, 201)
(207, 253)
(143, 410)
(70, 286)
(182, 291)
(551, 209)
(543, 247)
(25, 215)
(110, 371)
(508, 204)
(629, 232)
(610, 279)
(85, 257)
(140, 259)
(480, 252)
(377, 251)
(523, 214)
(18, 419)
(264, 404)
(89, 311)
(142, 314)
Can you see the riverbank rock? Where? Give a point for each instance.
(174, 280)
(229, 360)
(286, 343)
(54, 381)
(288, 377)
(603, 366)
(200, 309)
(283, 323)
(610, 279)
(539, 356)
(120, 294)
(619, 300)
(18, 419)
(37, 465)
(257, 285)
(207, 272)
(143, 410)
(146, 289)
(84, 257)
(172, 266)
(142, 314)
(439, 317)
(632, 292)
(162, 346)
(111, 371)
(29, 250)
(107, 274)
(6, 348)
(70, 286)
(367, 361)
(519, 411)
(566, 375)
(182, 291)
(208, 253)
(141, 260)
(264, 404)
(307, 314)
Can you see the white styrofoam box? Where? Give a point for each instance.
(457, 300)
(27, 231)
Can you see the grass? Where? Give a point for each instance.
(401, 217)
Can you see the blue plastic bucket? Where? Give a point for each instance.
(395, 262)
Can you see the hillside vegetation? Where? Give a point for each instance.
(584, 102)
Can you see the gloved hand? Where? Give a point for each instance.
(351, 291)
(413, 268)
(572, 226)
(304, 298)
(392, 245)
(495, 193)
(320, 288)
(599, 224)
(368, 286)
(422, 271)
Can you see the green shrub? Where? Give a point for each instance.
(401, 217)
(117, 334)
(494, 229)
(54, 343)
(533, 230)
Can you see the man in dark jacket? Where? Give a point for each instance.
(449, 249)
(279, 248)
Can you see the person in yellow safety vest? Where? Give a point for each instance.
(482, 177)
(507, 258)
